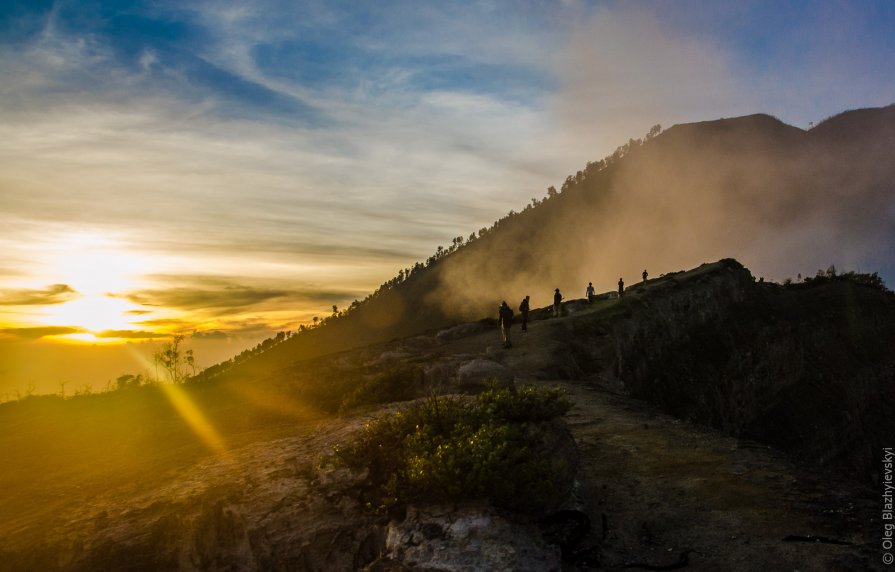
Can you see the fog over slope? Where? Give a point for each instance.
(782, 200)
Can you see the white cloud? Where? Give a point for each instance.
(623, 70)
(390, 162)
(392, 174)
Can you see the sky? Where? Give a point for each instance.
(227, 170)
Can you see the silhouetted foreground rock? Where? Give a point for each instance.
(807, 367)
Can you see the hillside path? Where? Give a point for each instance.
(669, 494)
(666, 486)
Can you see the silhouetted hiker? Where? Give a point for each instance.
(621, 287)
(523, 309)
(505, 318)
(645, 275)
(590, 292)
(557, 303)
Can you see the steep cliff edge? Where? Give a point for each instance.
(807, 367)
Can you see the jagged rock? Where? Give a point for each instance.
(450, 538)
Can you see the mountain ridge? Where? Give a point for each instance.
(708, 345)
(749, 187)
(717, 414)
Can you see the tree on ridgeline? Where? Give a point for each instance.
(174, 360)
(128, 380)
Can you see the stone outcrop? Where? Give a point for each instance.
(455, 539)
(807, 368)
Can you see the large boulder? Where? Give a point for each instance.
(452, 538)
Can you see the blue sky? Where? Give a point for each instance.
(297, 154)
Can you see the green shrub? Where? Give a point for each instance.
(526, 404)
(451, 448)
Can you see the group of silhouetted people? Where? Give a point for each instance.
(505, 313)
(505, 320)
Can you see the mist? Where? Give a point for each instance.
(783, 201)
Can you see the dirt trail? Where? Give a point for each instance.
(665, 492)
(666, 487)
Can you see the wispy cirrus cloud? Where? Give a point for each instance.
(190, 299)
(387, 159)
(37, 332)
(321, 146)
(54, 294)
(211, 335)
(128, 335)
(213, 293)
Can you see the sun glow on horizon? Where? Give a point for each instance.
(94, 313)
(99, 269)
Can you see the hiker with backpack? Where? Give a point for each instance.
(523, 309)
(505, 320)
(557, 303)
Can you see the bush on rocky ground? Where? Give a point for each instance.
(496, 447)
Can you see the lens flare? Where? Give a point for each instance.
(187, 410)
(194, 417)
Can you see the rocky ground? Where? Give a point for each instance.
(662, 492)
(654, 492)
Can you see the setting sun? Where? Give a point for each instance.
(83, 286)
(95, 270)
(93, 313)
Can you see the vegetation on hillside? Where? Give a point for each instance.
(419, 269)
(830, 275)
(492, 447)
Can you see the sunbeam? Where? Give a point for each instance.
(194, 417)
(187, 409)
